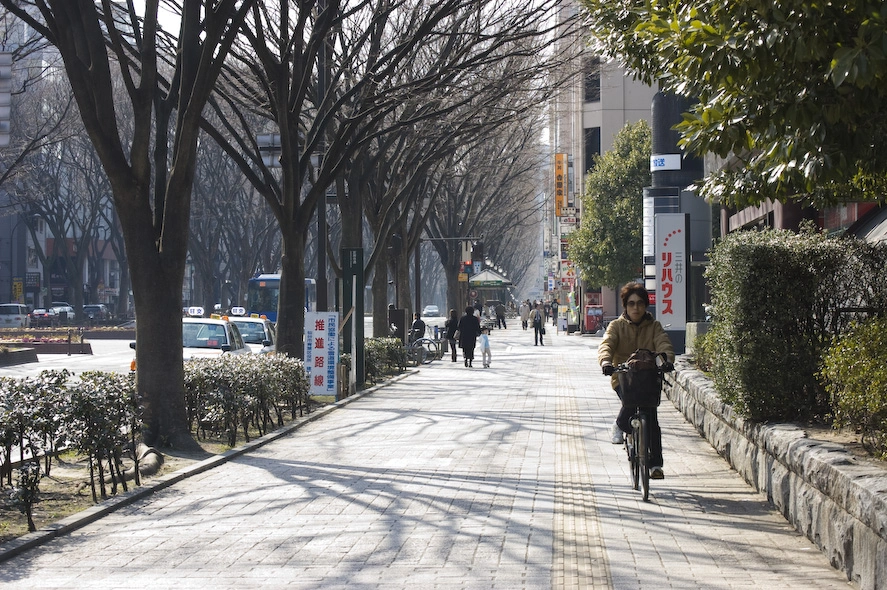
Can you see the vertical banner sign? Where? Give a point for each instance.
(322, 351)
(560, 183)
(671, 270)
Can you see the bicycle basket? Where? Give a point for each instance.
(640, 388)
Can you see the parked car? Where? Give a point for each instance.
(14, 315)
(430, 311)
(44, 318)
(96, 311)
(257, 332)
(212, 336)
(64, 311)
(207, 337)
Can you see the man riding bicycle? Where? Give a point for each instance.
(632, 330)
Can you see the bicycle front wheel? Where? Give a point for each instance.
(643, 450)
(631, 450)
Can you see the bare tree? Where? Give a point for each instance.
(329, 76)
(150, 176)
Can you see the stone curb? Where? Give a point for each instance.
(834, 498)
(75, 521)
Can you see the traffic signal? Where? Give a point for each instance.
(466, 252)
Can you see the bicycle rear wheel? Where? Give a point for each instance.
(643, 450)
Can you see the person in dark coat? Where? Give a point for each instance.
(469, 330)
(451, 326)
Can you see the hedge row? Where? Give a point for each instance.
(234, 392)
(384, 356)
(95, 415)
(778, 301)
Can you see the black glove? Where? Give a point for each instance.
(609, 369)
(667, 367)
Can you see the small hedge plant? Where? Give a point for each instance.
(854, 373)
(778, 298)
(383, 356)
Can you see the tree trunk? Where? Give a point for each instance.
(291, 311)
(380, 298)
(160, 374)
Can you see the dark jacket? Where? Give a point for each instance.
(451, 326)
(469, 330)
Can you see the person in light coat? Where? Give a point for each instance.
(634, 329)
(525, 313)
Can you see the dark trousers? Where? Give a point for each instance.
(537, 333)
(452, 342)
(500, 321)
(623, 421)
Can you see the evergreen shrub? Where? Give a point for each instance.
(854, 373)
(778, 298)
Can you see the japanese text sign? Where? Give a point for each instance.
(671, 270)
(321, 351)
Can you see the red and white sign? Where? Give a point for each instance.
(671, 270)
(322, 351)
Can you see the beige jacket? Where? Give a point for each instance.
(624, 337)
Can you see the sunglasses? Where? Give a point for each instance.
(636, 303)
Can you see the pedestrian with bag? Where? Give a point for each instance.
(538, 326)
(486, 352)
(469, 330)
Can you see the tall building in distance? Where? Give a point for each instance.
(597, 101)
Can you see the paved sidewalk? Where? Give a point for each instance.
(449, 478)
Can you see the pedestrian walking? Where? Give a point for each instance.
(500, 316)
(486, 353)
(525, 314)
(538, 326)
(450, 328)
(469, 330)
(554, 309)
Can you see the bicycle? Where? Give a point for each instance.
(424, 350)
(640, 384)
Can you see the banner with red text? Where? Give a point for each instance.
(671, 269)
(321, 351)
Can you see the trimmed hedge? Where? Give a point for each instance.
(233, 392)
(384, 356)
(778, 299)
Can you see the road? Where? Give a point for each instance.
(450, 477)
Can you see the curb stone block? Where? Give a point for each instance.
(835, 499)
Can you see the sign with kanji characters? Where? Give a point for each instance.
(671, 270)
(322, 351)
(560, 183)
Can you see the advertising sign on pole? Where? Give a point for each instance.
(560, 183)
(671, 270)
(322, 352)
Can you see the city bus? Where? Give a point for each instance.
(262, 293)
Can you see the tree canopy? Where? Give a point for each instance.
(793, 92)
(607, 247)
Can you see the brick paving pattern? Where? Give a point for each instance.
(449, 478)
